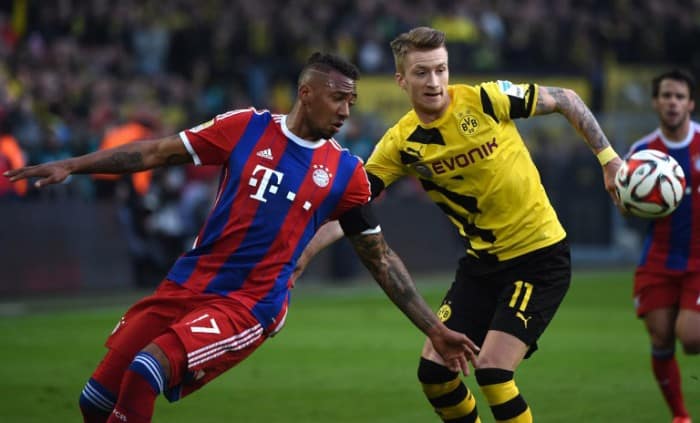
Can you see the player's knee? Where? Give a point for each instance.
(691, 344)
(171, 354)
(96, 402)
(430, 372)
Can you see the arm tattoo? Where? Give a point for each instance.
(119, 162)
(178, 159)
(391, 274)
(569, 104)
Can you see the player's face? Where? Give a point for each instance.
(673, 104)
(331, 97)
(424, 78)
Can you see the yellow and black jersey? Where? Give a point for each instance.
(474, 165)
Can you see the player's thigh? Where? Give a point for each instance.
(215, 337)
(501, 350)
(531, 293)
(688, 321)
(655, 290)
(469, 304)
(660, 324)
(148, 318)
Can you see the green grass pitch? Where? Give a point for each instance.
(347, 355)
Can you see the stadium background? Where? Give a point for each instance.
(71, 71)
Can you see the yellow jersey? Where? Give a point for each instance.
(475, 166)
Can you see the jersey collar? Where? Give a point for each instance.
(297, 140)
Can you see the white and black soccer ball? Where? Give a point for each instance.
(650, 184)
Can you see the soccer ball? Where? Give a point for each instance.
(650, 184)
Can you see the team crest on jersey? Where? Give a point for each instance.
(469, 125)
(444, 312)
(321, 175)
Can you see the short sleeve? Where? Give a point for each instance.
(357, 192)
(211, 142)
(385, 160)
(504, 100)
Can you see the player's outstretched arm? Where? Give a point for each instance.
(391, 274)
(128, 158)
(327, 234)
(569, 104)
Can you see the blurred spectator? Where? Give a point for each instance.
(129, 192)
(69, 69)
(11, 157)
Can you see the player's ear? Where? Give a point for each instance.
(304, 93)
(400, 80)
(691, 105)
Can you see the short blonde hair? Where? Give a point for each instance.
(419, 38)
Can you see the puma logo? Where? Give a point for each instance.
(414, 151)
(522, 317)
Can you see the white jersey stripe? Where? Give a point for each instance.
(222, 349)
(97, 398)
(226, 348)
(152, 369)
(190, 149)
(226, 344)
(223, 341)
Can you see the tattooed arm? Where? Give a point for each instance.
(391, 274)
(128, 158)
(569, 104)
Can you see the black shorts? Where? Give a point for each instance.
(517, 296)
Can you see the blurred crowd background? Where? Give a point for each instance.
(79, 75)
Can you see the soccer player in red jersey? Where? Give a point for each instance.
(667, 279)
(282, 177)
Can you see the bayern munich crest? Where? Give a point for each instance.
(321, 175)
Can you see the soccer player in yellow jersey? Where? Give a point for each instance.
(462, 145)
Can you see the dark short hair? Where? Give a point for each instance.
(326, 62)
(676, 75)
(419, 38)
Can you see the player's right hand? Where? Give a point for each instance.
(609, 172)
(455, 348)
(48, 173)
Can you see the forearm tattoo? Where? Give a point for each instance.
(119, 162)
(178, 159)
(569, 104)
(128, 162)
(391, 274)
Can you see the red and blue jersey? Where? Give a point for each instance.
(275, 190)
(669, 243)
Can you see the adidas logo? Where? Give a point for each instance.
(265, 154)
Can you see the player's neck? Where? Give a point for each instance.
(297, 126)
(430, 116)
(678, 133)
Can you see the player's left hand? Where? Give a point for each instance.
(48, 173)
(454, 348)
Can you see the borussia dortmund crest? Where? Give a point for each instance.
(444, 312)
(469, 125)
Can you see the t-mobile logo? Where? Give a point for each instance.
(264, 182)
